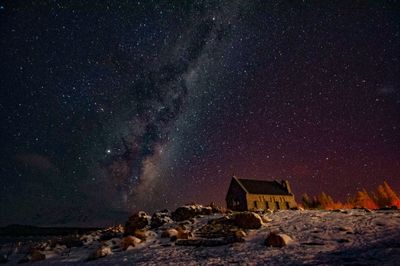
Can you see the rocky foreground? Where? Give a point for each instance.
(196, 234)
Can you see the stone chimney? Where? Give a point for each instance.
(286, 185)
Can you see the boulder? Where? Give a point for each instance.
(190, 211)
(181, 234)
(141, 234)
(36, 255)
(184, 234)
(278, 240)
(100, 253)
(112, 232)
(139, 220)
(160, 218)
(248, 220)
(129, 241)
(169, 233)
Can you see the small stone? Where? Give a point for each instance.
(240, 233)
(278, 240)
(100, 253)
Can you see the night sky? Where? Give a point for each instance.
(107, 108)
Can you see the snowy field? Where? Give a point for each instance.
(350, 237)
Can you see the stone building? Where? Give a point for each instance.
(250, 194)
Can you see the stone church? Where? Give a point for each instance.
(251, 195)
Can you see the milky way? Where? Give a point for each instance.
(113, 107)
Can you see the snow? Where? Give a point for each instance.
(319, 237)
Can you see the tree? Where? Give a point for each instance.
(364, 200)
(325, 201)
(386, 196)
(306, 201)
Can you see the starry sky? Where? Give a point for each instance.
(116, 106)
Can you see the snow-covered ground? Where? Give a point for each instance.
(320, 237)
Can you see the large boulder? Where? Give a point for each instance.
(278, 240)
(139, 220)
(160, 218)
(190, 211)
(248, 220)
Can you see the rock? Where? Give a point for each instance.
(190, 211)
(141, 234)
(71, 241)
(168, 233)
(216, 228)
(139, 220)
(248, 220)
(129, 241)
(278, 240)
(225, 220)
(160, 218)
(240, 233)
(216, 209)
(183, 234)
(112, 232)
(100, 253)
(34, 255)
(114, 243)
(265, 219)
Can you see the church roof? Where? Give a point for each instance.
(253, 186)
